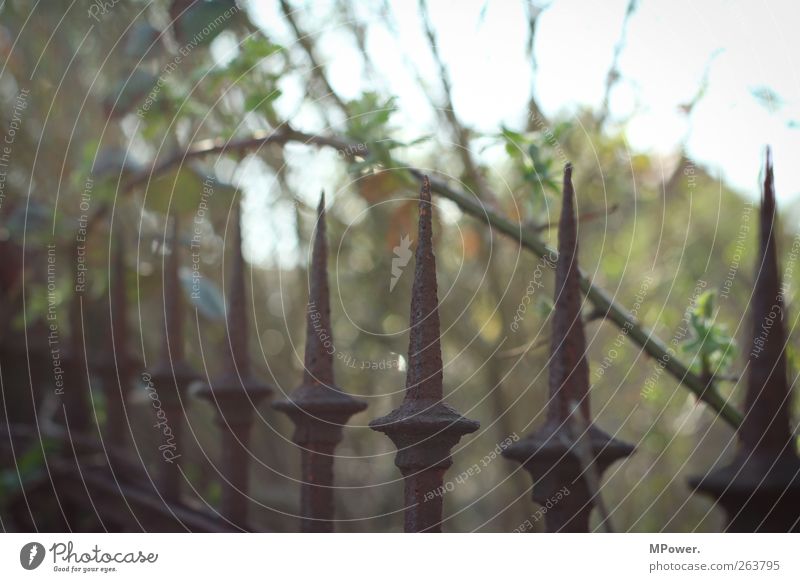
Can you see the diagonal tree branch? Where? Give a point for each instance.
(527, 238)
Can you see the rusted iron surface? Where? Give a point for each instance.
(760, 489)
(172, 375)
(424, 429)
(236, 393)
(568, 450)
(318, 408)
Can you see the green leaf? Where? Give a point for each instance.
(203, 22)
(143, 41)
(127, 93)
(179, 191)
(29, 467)
(203, 294)
(713, 348)
(544, 306)
(369, 117)
(260, 101)
(705, 304)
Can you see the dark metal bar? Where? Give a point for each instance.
(424, 429)
(76, 389)
(237, 393)
(760, 488)
(117, 365)
(568, 451)
(318, 408)
(172, 375)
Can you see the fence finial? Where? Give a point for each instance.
(760, 489)
(424, 429)
(318, 408)
(569, 370)
(319, 339)
(237, 393)
(568, 454)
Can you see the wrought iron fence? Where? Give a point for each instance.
(98, 471)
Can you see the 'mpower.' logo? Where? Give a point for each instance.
(31, 555)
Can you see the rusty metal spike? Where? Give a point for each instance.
(318, 408)
(237, 304)
(318, 357)
(766, 421)
(760, 488)
(569, 371)
(423, 428)
(236, 393)
(568, 453)
(424, 378)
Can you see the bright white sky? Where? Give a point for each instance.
(670, 45)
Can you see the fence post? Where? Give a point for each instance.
(237, 393)
(172, 375)
(318, 408)
(760, 489)
(77, 412)
(117, 365)
(424, 429)
(568, 454)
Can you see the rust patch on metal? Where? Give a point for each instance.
(568, 451)
(760, 488)
(423, 428)
(318, 408)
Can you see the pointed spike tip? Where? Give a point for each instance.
(424, 377)
(318, 360)
(767, 420)
(425, 192)
(769, 180)
(567, 203)
(568, 177)
(321, 204)
(424, 228)
(569, 372)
